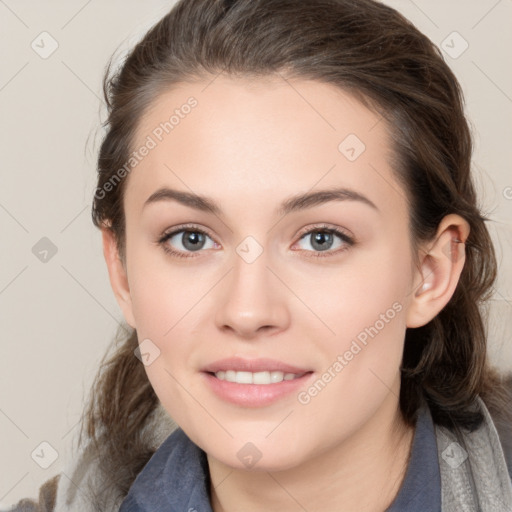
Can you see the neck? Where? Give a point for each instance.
(362, 473)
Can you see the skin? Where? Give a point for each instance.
(249, 145)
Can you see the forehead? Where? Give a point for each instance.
(236, 138)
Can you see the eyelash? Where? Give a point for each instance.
(349, 241)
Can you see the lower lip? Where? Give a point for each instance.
(254, 395)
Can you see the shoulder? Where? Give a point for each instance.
(83, 486)
(46, 498)
(501, 414)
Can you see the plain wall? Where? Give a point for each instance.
(59, 316)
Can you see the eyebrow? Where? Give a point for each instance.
(292, 204)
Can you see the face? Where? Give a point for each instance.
(319, 286)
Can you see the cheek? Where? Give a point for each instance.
(163, 306)
(154, 307)
(167, 301)
(366, 311)
(161, 294)
(362, 360)
(371, 292)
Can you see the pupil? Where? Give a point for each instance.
(191, 239)
(320, 239)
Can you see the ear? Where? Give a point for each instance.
(118, 275)
(441, 263)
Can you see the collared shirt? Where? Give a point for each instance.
(421, 487)
(177, 478)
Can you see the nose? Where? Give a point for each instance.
(252, 300)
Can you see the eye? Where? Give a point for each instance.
(190, 239)
(187, 239)
(322, 239)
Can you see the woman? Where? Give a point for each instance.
(292, 233)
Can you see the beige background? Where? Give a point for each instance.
(58, 316)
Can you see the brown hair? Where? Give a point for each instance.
(373, 52)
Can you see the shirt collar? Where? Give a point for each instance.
(421, 487)
(177, 477)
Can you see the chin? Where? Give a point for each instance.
(249, 457)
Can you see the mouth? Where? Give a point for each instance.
(264, 377)
(254, 382)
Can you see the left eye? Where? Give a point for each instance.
(322, 240)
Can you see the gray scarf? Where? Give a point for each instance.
(474, 474)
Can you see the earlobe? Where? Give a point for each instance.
(117, 275)
(440, 268)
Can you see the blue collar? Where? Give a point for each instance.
(421, 487)
(177, 477)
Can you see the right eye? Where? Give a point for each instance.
(191, 239)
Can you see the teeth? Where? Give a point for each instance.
(254, 378)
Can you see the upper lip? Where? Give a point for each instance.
(252, 365)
